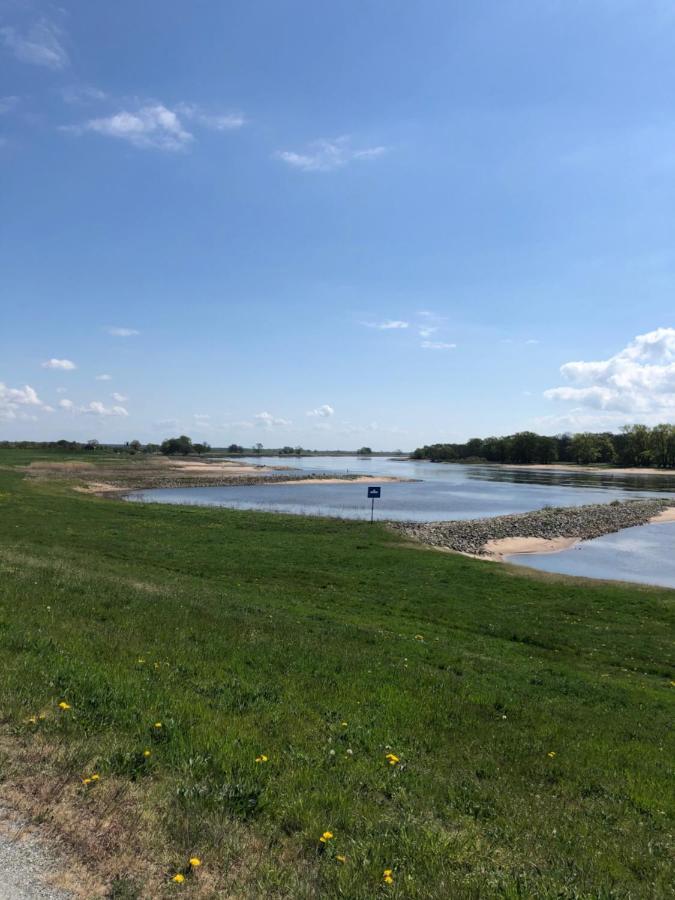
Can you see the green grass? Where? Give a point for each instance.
(263, 634)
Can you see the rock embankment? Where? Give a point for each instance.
(581, 522)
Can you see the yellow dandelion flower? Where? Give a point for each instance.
(342, 859)
(86, 781)
(326, 836)
(261, 759)
(64, 705)
(344, 724)
(147, 753)
(195, 861)
(552, 753)
(95, 777)
(178, 878)
(392, 758)
(158, 724)
(388, 876)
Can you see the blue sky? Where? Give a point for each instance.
(366, 222)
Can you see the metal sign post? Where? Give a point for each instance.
(374, 494)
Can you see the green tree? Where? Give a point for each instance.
(177, 446)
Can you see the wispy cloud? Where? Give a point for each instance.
(104, 377)
(216, 121)
(325, 155)
(41, 45)
(153, 125)
(8, 104)
(437, 345)
(64, 364)
(323, 411)
(82, 94)
(119, 398)
(267, 420)
(149, 127)
(387, 325)
(116, 331)
(95, 408)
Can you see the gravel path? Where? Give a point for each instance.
(583, 522)
(26, 863)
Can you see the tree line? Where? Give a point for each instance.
(633, 445)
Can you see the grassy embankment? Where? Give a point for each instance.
(529, 714)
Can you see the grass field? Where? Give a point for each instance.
(528, 715)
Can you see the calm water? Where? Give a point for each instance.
(645, 554)
(441, 491)
(460, 492)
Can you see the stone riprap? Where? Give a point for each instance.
(583, 522)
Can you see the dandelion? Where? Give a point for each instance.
(393, 759)
(31, 720)
(350, 752)
(261, 759)
(86, 781)
(178, 878)
(344, 724)
(195, 861)
(388, 876)
(326, 836)
(64, 705)
(419, 637)
(147, 753)
(158, 725)
(342, 859)
(140, 660)
(95, 777)
(551, 753)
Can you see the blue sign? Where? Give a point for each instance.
(374, 493)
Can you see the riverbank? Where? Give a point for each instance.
(117, 477)
(541, 531)
(457, 723)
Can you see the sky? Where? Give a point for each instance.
(370, 222)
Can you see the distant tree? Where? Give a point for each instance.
(258, 447)
(364, 451)
(235, 448)
(135, 446)
(201, 448)
(93, 444)
(174, 446)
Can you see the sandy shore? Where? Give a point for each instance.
(668, 515)
(571, 467)
(355, 479)
(521, 546)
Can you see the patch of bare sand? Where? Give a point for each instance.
(572, 467)
(360, 479)
(521, 545)
(668, 515)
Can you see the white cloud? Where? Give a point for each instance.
(153, 126)
(325, 155)
(387, 325)
(64, 364)
(7, 104)
(267, 420)
(115, 331)
(13, 399)
(40, 45)
(323, 411)
(104, 377)
(120, 398)
(437, 345)
(66, 404)
(638, 381)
